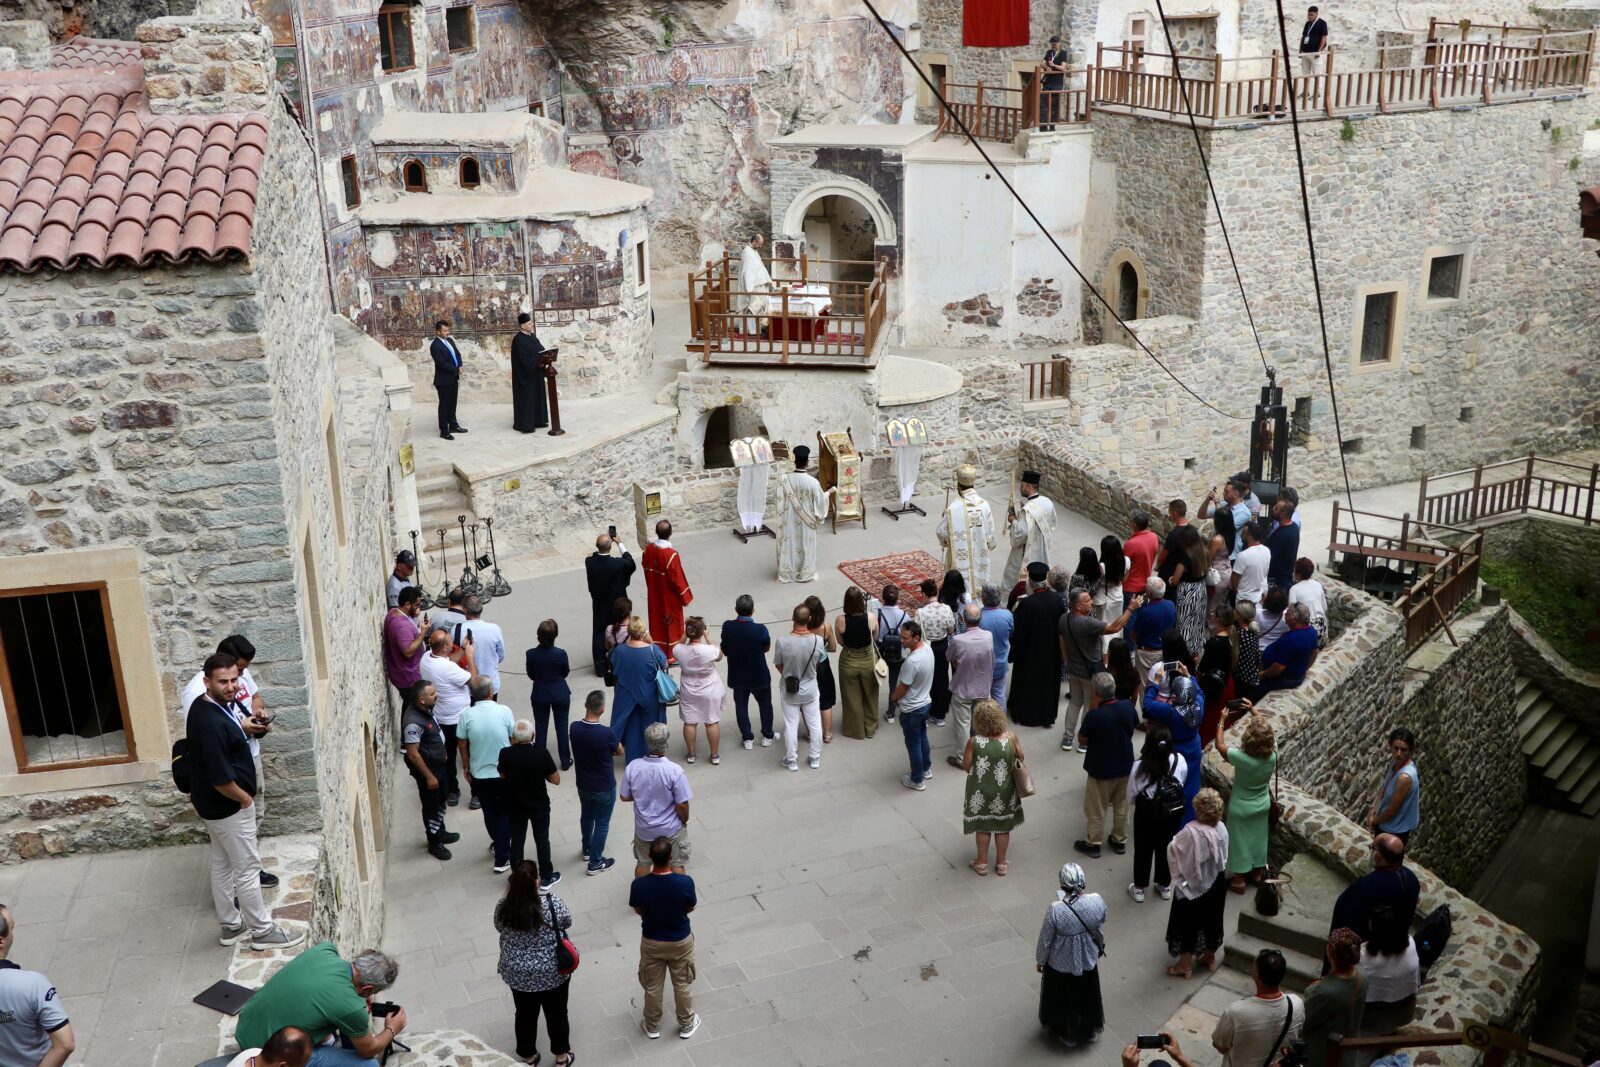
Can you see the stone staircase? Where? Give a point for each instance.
(1563, 757)
(1299, 930)
(440, 498)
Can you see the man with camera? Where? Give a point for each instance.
(1162, 1042)
(332, 1001)
(1253, 1031)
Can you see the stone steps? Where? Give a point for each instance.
(1562, 756)
(1239, 954)
(1299, 930)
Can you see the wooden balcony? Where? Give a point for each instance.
(804, 322)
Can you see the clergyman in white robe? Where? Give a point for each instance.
(804, 506)
(754, 278)
(1030, 537)
(966, 530)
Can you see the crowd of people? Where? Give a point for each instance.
(1155, 648)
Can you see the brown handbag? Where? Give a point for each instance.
(1024, 780)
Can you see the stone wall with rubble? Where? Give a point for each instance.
(1515, 353)
(942, 34)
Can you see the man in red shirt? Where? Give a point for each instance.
(1141, 551)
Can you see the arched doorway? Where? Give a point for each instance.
(1126, 290)
(1127, 293)
(840, 234)
(719, 432)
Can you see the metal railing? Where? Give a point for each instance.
(728, 324)
(1049, 379)
(1513, 486)
(1376, 559)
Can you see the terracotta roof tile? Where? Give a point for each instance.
(90, 53)
(89, 176)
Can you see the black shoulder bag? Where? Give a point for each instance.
(1277, 1046)
(1096, 936)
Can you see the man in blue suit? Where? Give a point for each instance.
(446, 379)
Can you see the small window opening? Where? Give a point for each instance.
(416, 178)
(469, 173)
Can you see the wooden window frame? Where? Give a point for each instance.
(536, 107)
(8, 693)
(403, 13)
(405, 176)
(472, 28)
(350, 182)
(461, 172)
(1397, 327)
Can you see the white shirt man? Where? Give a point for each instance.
(966, 530)
(804, 506)
(754, 278)
(1030, 531)
(1250, 569)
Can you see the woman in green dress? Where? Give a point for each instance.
(991, 807)
(1253, 763)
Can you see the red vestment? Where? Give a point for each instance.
(669, 592)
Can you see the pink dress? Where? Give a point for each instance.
(700, 688)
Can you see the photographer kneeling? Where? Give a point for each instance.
(331, 1000)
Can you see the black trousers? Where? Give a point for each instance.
(447, 404)
(432, 800)
(1152, 832)
(553, 1002)
(539, 818)
(741, 711)
(941, 680)
(542, 710)
(451, 785)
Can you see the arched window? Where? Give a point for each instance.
(469, 173)
(416, 178)
(1128, 292)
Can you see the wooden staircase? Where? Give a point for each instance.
(1562, 756)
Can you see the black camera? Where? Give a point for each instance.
(1294, 1055)
(382, 1009)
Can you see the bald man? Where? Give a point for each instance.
(1387, 893)
(450, 681)
(36, 1029)
(609, 569)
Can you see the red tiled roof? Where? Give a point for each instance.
(94, 53)
(88, 175)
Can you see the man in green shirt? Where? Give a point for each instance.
(484, 730)
(323, 995)
(1335, 1004)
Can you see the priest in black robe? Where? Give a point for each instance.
(1036, 653)
(528, 410)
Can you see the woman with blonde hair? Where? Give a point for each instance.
(1253, 763)
(701, 689)
(991, 806)
(637, 703)
(1198, 858)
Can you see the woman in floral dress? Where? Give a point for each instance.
(991, 807)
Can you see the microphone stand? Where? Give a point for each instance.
(498, 586)
(427, 601)
(469, 580)
(444, 560)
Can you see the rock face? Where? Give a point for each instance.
(689, 100)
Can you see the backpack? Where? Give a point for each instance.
(180, 765)
(889, 646)
(1432, 936)
(1168, 797)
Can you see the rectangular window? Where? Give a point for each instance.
(1351, 446)
(61, 679)
(369, 776)
(460, 28)
(536, 108)
(1377, 328)
(352, 183)
(1444, 277)
(641, 264)
(319, 644)
(1419, 437)
(1300, 421)
(1466, 414)
(939, 73)
(335, 480)
(394, 37)
(359, 836)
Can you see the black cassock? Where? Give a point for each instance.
(528, 411)
(1036, 660)
(608, 581)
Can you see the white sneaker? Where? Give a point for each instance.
(1165, 891)
(1136, 893)
(686, 1032)
(766, 742)
(907, 781)
(927, 774)
(277, 937)
(651, 1033)
(748, 745)
(815, 762)
(789, 764)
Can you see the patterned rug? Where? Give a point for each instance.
(905, 569)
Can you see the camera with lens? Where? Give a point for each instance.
(382, 1009)
(1294, 1055)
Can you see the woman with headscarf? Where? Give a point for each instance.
(1071, 942)
(1198, 859)
(1183, 716)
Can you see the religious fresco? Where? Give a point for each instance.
(497, 248)
(348, 264)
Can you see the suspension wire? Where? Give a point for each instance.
(1090, 286)
(1311, 249)
(1199, 147)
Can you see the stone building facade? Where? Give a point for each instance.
(190, 435)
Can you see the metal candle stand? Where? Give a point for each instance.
(444, 562)
(497, 586)
(469, 578)
(427, 601)
(744, 535)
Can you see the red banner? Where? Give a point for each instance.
(994, 23)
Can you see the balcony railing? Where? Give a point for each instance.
(1396, 560)
(1048, 379)
(1516, 486)
(825, 322)
(999, 113)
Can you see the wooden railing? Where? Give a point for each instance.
(1376, 553)
(1225, 91)
(1513, 486)
(999, 113)
(1049, 379)
(723, 326)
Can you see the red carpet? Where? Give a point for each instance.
(905, 569)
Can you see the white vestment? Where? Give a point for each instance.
(966, 530)
(804, 505)
(1030, 537)
(753, 495)
(754, 278)
(907, 459)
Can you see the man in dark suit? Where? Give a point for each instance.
(608, 582)
(446, 379)
(746, 643)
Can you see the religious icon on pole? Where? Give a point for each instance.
(906, 439)
(840, 466)
(753, 457)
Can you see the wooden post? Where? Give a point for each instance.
(1489, 68)
(785, 311)
(1383, 96)
(1433, 82)
(1327, 83)
(1422, 499)
(1588, 510)
(1272, 99)
(977, 112)
(1333, 536)
(1477, 484)
(1216, 87)
(1527, 484)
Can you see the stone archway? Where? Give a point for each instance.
(794, 216)
(1127, 289)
